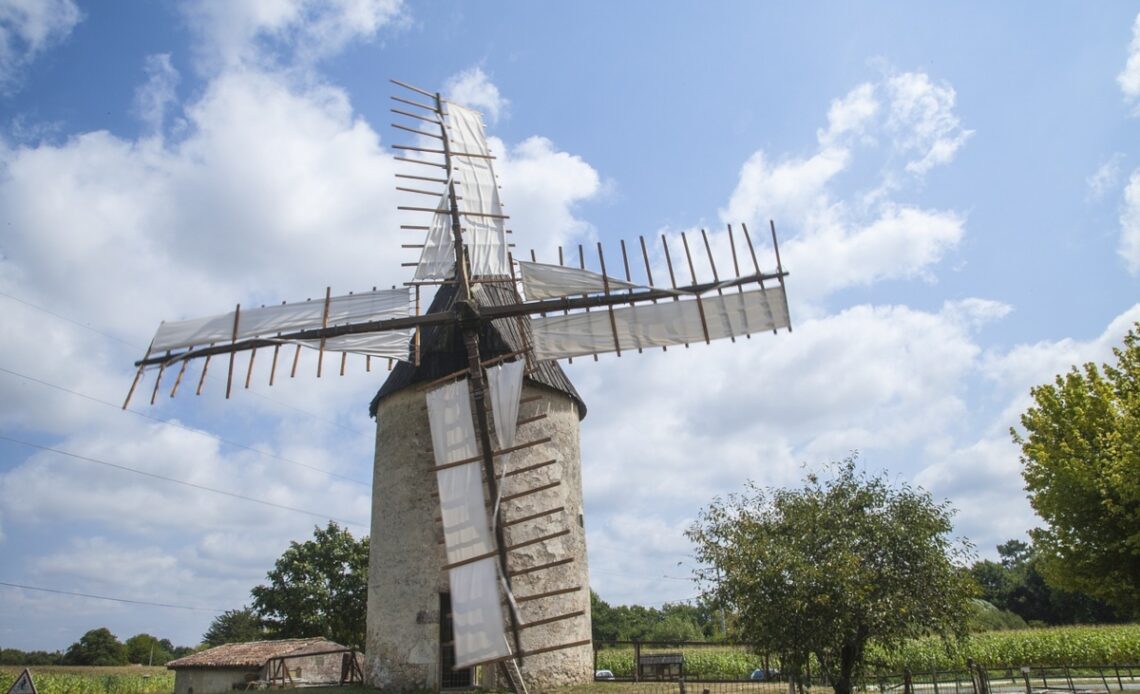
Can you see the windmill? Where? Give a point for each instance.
(477, 537)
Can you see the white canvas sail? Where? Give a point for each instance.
(268, 322)
(477, 614)
(656, 325)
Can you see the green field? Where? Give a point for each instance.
(1054, 647)
(63, 679)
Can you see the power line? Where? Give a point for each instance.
(181, 482)
(65, 318)
(182, 426)
(105, 597)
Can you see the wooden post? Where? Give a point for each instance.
(233, 340)
(693, 274)
(324, 324)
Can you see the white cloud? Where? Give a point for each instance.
(902, 242)
(1105, 178)
(27, 29)
(836, 240)
(1129, 77)
(923, 122)
(293, 32)
(850, 115)
(157, 95)
(472, 88)
(1129, 247)
(541, 187)
(792, 190)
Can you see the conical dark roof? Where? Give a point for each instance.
(442, 351)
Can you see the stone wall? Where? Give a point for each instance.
(404, 576)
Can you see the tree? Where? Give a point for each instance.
(318, 588)
(96, 647)
(144, 649)
(1081, 457)
(1017, 585)
(235, 626)
(831, 566)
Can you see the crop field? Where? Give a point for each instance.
(1056, 646)
(62, 679)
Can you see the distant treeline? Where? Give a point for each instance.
(101, 647)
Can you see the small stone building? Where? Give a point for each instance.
(249, 665)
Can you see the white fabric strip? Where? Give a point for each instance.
(477, 614)
(505, 384)
(461, 499)
(478, 192)
(544, 281)
(475, 604)
(268, 321)
(437, 260)
(654, 325)
(392, 344)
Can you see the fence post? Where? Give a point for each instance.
(1025, 675)
(908, 683)
(636, 660)
(934, 678)
(1118, 680)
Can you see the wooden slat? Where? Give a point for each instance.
(533, 516)
(533, 490)
(548, 594)
(542, 567)
(556, 618)
(537, 540)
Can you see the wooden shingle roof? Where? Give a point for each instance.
(251, 654)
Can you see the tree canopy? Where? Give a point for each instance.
(1081, 457)
(235, 626)
(672, 622)
(1016, 585)
(96, 647)
(318, 588)
(830, 566)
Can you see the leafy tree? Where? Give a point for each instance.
(1017, 585)
(318, 588)
(96, 647)
(235, 626)
(1081, 457)
(829, 567)
(145, 649)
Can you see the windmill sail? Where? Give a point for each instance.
(657, 325)
(476, 196)
(270, 322)
(470, 547)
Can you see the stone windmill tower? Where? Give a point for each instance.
(478, 541)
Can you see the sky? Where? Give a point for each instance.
(956, 188)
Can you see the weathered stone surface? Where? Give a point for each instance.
(405, 579)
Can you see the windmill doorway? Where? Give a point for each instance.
(450, 678)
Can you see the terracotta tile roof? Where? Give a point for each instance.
(252, 654)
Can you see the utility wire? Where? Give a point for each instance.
(182, 426)
(181, 482)
(105, 597)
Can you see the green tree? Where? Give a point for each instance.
(96, 647)
(318, 588)
(1081, 457)
(829, 567)
(1017, 585)
(144, 649)
(235, 626)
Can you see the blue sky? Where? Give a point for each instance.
(956, 186)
